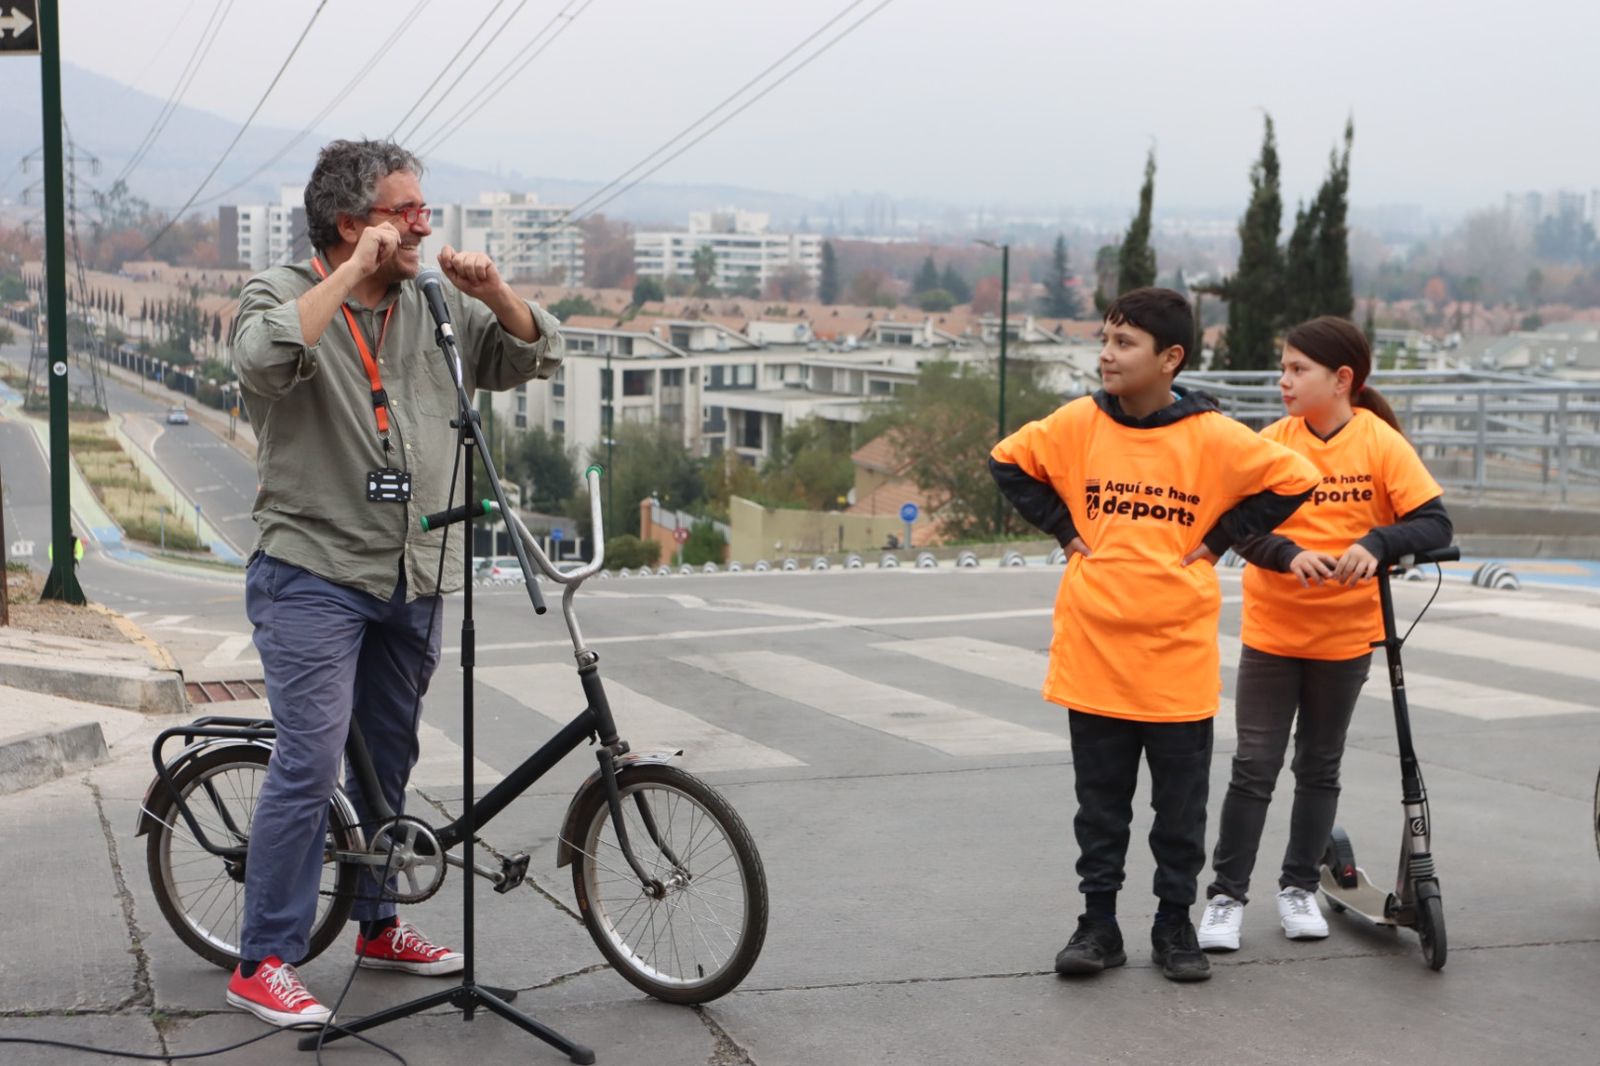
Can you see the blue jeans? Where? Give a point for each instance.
(327, 652)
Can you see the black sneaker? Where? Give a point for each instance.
(1096, 946)
(1174, 948)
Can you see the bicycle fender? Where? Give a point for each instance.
(569, 824)
(147, 821)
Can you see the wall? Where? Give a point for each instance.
(757, 530)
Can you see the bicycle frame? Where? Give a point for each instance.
(595, 724)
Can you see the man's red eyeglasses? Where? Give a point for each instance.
(410, 215)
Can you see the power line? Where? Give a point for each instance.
(466, 70)
(446, 68)
(338, 98)
(589, 202)
(202, 48)
(491, 88)
(236, 137)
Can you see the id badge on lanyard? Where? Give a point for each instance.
(386, 484)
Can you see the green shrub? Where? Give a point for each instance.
(631, 552)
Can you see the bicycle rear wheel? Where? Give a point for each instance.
(201, 895)
(696, 939)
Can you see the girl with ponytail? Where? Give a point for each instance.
(1311, 615)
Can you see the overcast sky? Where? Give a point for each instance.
(1037, 102)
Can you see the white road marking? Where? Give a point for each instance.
(552, 690)
(883, 708)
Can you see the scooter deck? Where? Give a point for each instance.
(1366, 900)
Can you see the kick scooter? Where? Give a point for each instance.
(1415, 901)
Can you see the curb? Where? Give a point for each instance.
(36, 758)
(165, 487)
(150, 691)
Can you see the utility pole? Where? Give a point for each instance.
(62, 583)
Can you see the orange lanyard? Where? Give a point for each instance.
(380, 398)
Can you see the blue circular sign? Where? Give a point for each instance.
(557, 533)
(908, 512)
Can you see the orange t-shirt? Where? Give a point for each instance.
(1370, 476)
(1136, 630)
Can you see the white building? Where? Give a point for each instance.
(526, 239)
(259, 235)
(746, 253)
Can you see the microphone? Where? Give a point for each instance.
(431, 282)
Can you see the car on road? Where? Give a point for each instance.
(177, 416)
(498, 568)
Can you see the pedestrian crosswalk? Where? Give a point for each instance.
(790, 694)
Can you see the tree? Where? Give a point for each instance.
(1300, 282)
(936, 300)
(828, 287)
(927, 278)
(1255, 292)
(1105, 276)
(1370, 328)
(705, 544)
(647, 290)
(1136, 263)
(789, 283)
(704, 264)
(543, 464)
(945, 426)
(1060, 296)
(810, 466)
(568, 306)
(1335, 293)
(867, 287)
(648, 459)
(953, 283)
(1534, 287)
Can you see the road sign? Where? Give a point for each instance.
(680, 535)
(558, 533)
(19, 27)
(908, 512)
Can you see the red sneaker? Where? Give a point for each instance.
(274, 994)
(401, 947)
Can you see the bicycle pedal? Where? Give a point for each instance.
(512, 872)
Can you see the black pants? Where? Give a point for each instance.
(1105, 759)
(1271, 689)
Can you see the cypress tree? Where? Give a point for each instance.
(953, 283)
(927, 278)
(1335, 295)
(1136, 266)
(1255, 292)
(1301, 284)
(828, 287)
(1061, 299)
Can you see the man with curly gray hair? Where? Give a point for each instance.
(352, 403)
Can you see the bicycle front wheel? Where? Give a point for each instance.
(201, 895)
(696, 936)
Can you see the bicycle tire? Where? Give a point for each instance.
(218, 941)
(673, 796)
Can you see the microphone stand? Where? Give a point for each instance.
(468, 996)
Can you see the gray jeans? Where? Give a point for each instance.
(1271, 688)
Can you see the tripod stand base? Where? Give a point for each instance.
(466, 998)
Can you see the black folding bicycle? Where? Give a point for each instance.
(667, 877)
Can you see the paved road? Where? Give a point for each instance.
(882, 735)
(203, 466)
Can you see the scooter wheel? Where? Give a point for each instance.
(1340, 858)
(1430, 929)
(1334, 905)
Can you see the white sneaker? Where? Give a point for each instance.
(1219, 926)
(1302, 918)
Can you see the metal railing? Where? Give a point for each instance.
(1479, 431)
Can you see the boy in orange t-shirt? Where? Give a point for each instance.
(1311, 616)
(1146, 484)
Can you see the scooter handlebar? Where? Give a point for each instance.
(1448, 554)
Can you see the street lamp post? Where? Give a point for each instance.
(1005, 308)
(611, 442)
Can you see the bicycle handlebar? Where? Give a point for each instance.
(1448, 554)
(440, 519)
(591, 479)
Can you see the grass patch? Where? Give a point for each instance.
(128, 495)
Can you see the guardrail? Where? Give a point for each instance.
(1477, 431)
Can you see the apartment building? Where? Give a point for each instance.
(259, 235)
(747, 253)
